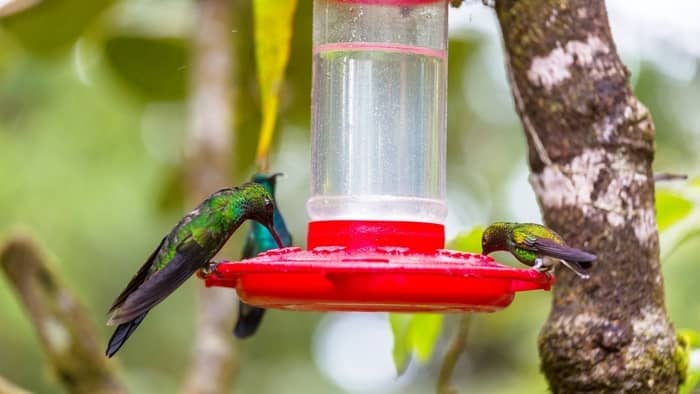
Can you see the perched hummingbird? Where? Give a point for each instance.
(258, 241)
(536, 246)
(187, 248)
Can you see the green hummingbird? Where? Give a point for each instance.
(258, 241)
(536, 246)
(186, 249)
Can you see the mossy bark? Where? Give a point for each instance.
(591, 146)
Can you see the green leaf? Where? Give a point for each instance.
(414, 334)
(154, 67)
(691, 382)
(273, 23)
(423, 333)
(468, 241)
(690, 338)
(670, 208)
(400, 323)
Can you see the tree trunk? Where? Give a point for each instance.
(591, 146)
(210, 144)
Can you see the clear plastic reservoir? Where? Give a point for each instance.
(379, 110)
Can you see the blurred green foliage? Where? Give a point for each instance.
(51, 27)
(467, 241)
(688, 341)
(147, 65)
(92, 119)
(671, 207)
(678, 215)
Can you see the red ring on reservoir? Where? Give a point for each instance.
(362, 234)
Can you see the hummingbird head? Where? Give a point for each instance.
(260, 206)
(266, 180)
(268, 220)
(495, 237)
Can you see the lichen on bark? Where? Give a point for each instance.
(591, 146)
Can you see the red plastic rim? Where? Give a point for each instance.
(380, 279)
(362, 234)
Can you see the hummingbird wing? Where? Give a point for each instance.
(188, 258)
(138, 279)
(577, 260)
(544, 241)
(564, 252)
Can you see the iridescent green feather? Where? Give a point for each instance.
(526, 232)
(209, 225)
(189, 246)
(524, 255)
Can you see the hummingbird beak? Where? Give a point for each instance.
(276, 236)
(272, 178)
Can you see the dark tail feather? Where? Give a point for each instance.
(577, 267)
(249, 318)
(122, 333)
(585, 264)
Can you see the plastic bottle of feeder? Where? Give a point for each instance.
(378, 123)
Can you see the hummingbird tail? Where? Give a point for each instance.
(577, 268)
(249, 318)
(122, 333)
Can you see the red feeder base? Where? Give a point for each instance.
(333, 278)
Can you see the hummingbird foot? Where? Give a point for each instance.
(209, 269)
(576, 271)
(539, 265)
(542, 266)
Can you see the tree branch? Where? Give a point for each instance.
(9, 388)
(456, 348)
(67, 335)
(595, 186)
(210, 144)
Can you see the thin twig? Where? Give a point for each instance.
(67, 335)
(665, 176)
(456, 348)
(9, 388)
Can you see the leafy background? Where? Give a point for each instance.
(92, 124)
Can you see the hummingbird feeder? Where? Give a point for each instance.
(376, 236)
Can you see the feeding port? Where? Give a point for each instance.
(377, 205)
